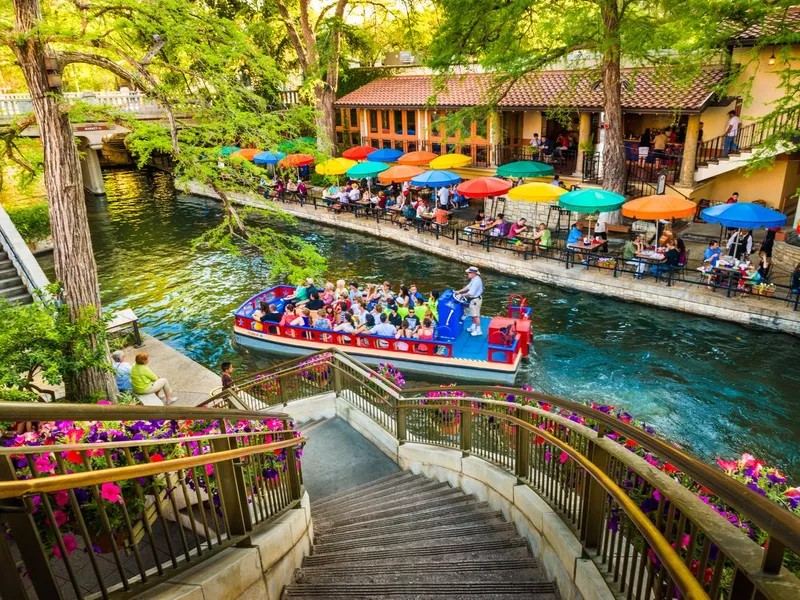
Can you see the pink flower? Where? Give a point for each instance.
(44, 464)
(728, 466)
(111, 492)
(209, 470)
(61, 517)
(747, 460)
(62, 498)
(75, 435)
(103, 402)
(563, 457)
(69, 544)
(792, 493)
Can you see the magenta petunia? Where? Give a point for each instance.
(111, 492)
(44, 464)
(70, 545)
(62, 497)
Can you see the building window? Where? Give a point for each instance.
(411, 122)
(385, 122)
(375, 143)
(450, 148)
(373, 121)
(338, 114)
(482, 128)
(412, 147)
(481, 155)
(398, 145)
(436, 148)
(436, 128)
(339, 138)
(354, 119)
(387, 143)
(398, 122)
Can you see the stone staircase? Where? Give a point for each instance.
(12, 288)
(408, 537)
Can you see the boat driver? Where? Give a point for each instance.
(474, 294)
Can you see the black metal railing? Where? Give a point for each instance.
(748, 137)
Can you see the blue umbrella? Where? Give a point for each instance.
(743, 215)
(434, 178)
(268, 158)
(385, 155)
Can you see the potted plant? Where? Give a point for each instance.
(607, 262)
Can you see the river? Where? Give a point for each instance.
(716, 388)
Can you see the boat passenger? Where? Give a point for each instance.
(346, 326)
(263, 309)
(322, 321)
(314, 301)
(289, 315)
(354, 292)
(385, 292)
(426, 331)
(433, 304)
(330, 312)
(403, 298)
(367, 325)
(303, 319)
(413, 322)
(357, 306)
(272, 315)
(341, 288)
(416, 297)
(394, 317)
(371, 293)
(384, 328)
(328, 295)
(404, 331)
(301, 291)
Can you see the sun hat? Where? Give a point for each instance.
(473, 270)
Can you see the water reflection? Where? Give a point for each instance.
(720, 389)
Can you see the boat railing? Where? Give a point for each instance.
(659, 522)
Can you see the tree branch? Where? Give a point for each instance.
(294, 37)
(68, 57)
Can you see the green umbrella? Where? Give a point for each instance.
(591, 201)
(296, 144)
(366, 169)
(525, 168)
(228, 150)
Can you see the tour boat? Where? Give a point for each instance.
(454, 353)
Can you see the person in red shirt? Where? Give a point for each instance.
(517, 228)
(734, 198)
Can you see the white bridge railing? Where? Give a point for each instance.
(131, 101)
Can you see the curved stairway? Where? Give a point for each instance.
(408, 537)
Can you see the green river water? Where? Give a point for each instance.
(716, 388)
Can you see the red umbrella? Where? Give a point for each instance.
(482, 187)
(296, 160)
(358, 152)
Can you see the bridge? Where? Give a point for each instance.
(480, 491)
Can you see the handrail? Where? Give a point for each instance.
(682, 576)
(15, 247)
(55, 483)
(781, 524)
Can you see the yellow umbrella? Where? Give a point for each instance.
(450, 161)
(536, 192)
(334, 166)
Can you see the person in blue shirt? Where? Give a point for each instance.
(712, 253)
(122, 371)
(575, 235)
(474, 293)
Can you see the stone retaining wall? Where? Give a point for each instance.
(695, 299)
(258, 571)
(785, 257)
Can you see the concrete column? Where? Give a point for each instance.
(690, 152)
(584, 136)
(495, 137)
(90, 167)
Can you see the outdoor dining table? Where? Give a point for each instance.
(580, 248)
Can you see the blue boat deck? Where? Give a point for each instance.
(473, 348)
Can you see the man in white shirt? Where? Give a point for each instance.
(355, 193)
(444, 197)
(384, 327)
(474, 293)
(406, 186)
(731, 131)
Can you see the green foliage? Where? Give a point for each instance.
(17, 395)
(32, 222)
(354, 78)
(40, 339)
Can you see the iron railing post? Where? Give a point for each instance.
(13, 586)
(466, 426)
(523, 442)
(26, 536)
(337, 378)
(773, 556)
(282, 390)
(594, 500)
(400, 415)
(232, 490)
(295, 491)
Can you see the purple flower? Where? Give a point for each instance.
(649, 505)
(755, 488)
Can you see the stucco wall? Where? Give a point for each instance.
(766, 80)
(777, 185)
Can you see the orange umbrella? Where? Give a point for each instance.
(399, 173)
(417, 158)
(653, 208)
(296, 160)
(246, 153)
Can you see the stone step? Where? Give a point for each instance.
(3, 257)
(382, 497)
(17, 291)
(423, 521)
(420, 540)
(414, 501)
(19, 299)
(378, 484)
(10, 282)
(304, 428)
(400, 567)
(419, 574)
(423, 591)
(508, 548)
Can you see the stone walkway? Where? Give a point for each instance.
(695, 299)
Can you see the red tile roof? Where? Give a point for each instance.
(782, 22)
(643, 90)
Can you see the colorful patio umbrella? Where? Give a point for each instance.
(358, 152)
(590, 201)
(386, 155)
(536, 192)
(417, 159)
(228, 150)
(484, 187)
(366, 169)
(334, 166)
(450, 161)
(296, 160)
(296, 143)
(268, 158)
(525, 168)
(744, 214)
(246, 153)
(399, 173)
(653, 208)
(435, 178)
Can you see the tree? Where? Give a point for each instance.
(515, 38)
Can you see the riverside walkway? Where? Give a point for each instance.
(765, 313)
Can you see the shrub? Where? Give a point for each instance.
(32, 222)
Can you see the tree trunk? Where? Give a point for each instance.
(72, 245)
(614, 169)
(325, 119)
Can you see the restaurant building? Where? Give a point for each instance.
(404, 112)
